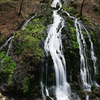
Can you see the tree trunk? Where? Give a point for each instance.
(21, 7)
(81, 8)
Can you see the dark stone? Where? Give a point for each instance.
(45, 1)
(48, 98)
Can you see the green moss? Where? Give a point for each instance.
(2, 54)
(73, 38)
(27, 40)
(34, 28)
(67, 7)
(91, 32)
(85, 34)
(72, 29)
(26, 85)
(85, 18)
(28, 47)
(8, 69)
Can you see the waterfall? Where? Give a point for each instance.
(61, 90)
(53, 45)
(84, 71)
(86, 75)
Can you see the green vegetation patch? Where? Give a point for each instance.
(2, 55)
(28, 39)
(67, 7)
(35, 29)
(8, 70)
(28, 47)
(86, 19)
(26, 85)
(73, 38)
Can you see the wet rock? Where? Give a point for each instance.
(48, 98)
(98, 79)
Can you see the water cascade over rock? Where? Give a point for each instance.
(53, 46)
(52, 57)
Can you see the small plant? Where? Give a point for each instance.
(2, 54)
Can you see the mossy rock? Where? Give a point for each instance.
(7, 70)
(48, 98)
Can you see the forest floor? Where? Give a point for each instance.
(10, 20)
(91, 12)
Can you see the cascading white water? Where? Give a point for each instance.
(84, 71)
(86, 77)
(4, 45)
(53, 45)
(87, 97)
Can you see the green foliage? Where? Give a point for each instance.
(26, 85)
(27, 40)
(2, 54)
(73, 38)
(84, 33)
(26, 15)
(28, 47)
(72, 29)
(85, 18)
(8, 69)
(67, 7)
(91, 32)
(90, 23)
(35, 29)
(74, 44)
(10, 79)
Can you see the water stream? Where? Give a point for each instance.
(86, 75)
(53, 45)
